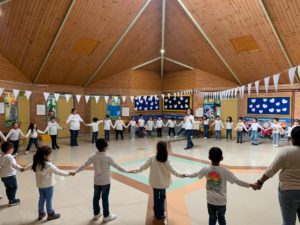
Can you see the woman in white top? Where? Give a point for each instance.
(189, 120)
(159, 125)
(132, 124)
(74, 120)
(14, 135)
(119, 125)
(229, 126)
(53, 128)
(33, 134)
(160, 177)
(95, 128)
(171, 125)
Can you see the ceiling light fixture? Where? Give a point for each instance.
(162, 51)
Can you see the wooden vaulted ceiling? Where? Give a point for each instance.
(69, 41)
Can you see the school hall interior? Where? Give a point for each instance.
(158, 58)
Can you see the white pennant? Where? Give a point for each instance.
(117, 98)
(163, 96)
(235, 92)
(299, 71)
(46, 95)
(16, 93)
(276, 80)
(131, 97)
(232, 90)
(242, 91)
(78, 97)
(124, 99)
(87, 98)
(28, 94)
(68, 96)
(169, 95)
(1, 91)
(106, 98)
(97, 99)
(56, 96)
(174, 94)
(249, 89)
(292, 74)
(266, 81)
(257, 87)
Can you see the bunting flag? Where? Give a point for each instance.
(132, 98)
(249, 89)
(174, 94)
(78, 97)
(257, 87)
(28, 94)
(1, 91)
(97, 99)
(162, 96)
(87, 98)
(299, 71)
(266, 81)
(276, 80)
(235, 92)
(116, 98)
(46, 95)
(56, 96)
(169, 95)
(107, 97)
(242, 91)
(68, 96)
(124, 99)
(16, 93)
(292, 74)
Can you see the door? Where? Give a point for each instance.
(229, 108)
(24, 113)
(98, 110)
(63, 111)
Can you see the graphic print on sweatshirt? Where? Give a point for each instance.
(214, 181)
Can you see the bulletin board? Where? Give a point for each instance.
(146, 103)
(178, 103)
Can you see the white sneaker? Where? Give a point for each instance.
(275, 145)
(96, 217)
(205, 138)
(26, 152)
(168, 136)
(109, 218)
(16, 154)
(176, 136)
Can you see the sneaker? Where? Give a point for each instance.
(53, 147)
(14, 202)
(16, 154)
(168, 136)
(57, 147)
(53, 216)
(26, 152)
(41, 216)
(109, 218)
(275, 145)
(205, 138)
(176, 136)
(96, 217)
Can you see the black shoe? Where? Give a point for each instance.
(57, 146)
(53, 216)
(187, 148)
(53, 147)
(14, 202)
(41, 216)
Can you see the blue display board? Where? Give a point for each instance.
(178, 103)
(113, 108)
(146, 103)
(269, 106)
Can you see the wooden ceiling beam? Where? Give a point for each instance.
(67, 14)
(133, 22)
(179, 63)
(214, 48)
(146, 63)
(4, 2)
(163, 28)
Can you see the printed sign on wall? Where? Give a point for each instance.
(146, 103)
(269, 106)
(178, 103)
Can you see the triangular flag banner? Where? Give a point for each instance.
(257, 87)
(145, 97)
(276, 80)
(163, 96)
(292, 74)
(28, 94)
(1, 91)
(87, 98)
(56, 96)
(249, 89)
(169, 95)
(266, 81)
(235, 92)
(174, 94)
(106, 98)
(78, 97)
(299, 71)
(117, 98)
(16, 93)
(97, 99)
(242, 91)
(132, 97)
(46, 95)
(124, 99)
(68, 96)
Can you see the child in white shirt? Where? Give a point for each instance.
(132, 124)
(159, 126)
(119, 125)
(218, 127)
(33, 134)
(52, 129)
(240, 126)
(102, 162)
(206, 127)
(254, 131)
(13, 136)
(296, 124)
(276, 130)
(95, 128)
(149, 127)
(141, 125)
(171, 125)
(107, 125)
(229, 126)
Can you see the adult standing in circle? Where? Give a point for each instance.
(74, 120)
(287, 161)
(189, 120)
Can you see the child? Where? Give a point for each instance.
(2, 136)
(45, 180)
(216, 186)
(160, 177)
(276, 129)
(107, 124)
(14, 135)
(53, 128)
(149, 127)
(141, 125)
(182, 129)
(95, 128)
(119, 125)
(296, 124)
(206, 126)
(159, 126)
(196, 128)
(229, 125)
(132, 124)
(240, 126)
(254, 131)
(33, 133)
(218, 127)
(102, 177)
(171, 125)
(8, 171)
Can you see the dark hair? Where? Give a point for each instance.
(296, 120)
(204, 117)
(295, 135)
(190, 110)
(107, 116)
(161, 151)
(31, 127)
(52, 118)
(276, 119)
(101, 144)
(141, 115)
(255, 118)
(39, 157)
(241, 118)
(172, 118)
(215, 154)
(6, 146)
(14, 123)
(218, 117)
(229, 118)
(73, 110)
(95, 119)
(132, 117)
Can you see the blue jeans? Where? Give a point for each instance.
(34, 141)
(290, 206)
(16, 146)
(74, 135)
(239, 137)
(94, 137)
(218, 134)
(11, 187)
(229, 134)
(254, 136)
(106, 135)
(276, 138)
(216, 213)
(189, 141)
(98, 189)
(46, 195)
(132, 132)
(206, 128)
(159, 197)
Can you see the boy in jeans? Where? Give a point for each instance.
(8, 167)
(216, 186)
(102, 177)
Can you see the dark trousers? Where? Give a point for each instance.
(159, 196)
(53, 140)
(189, 141)
(206, 133)
(171, 130)
(180, 131)
(239, 137)
(216, 213)
(229, 134)
(196, 133)
(149, 133)
(16, 146)
(11, 187)
(141, 132)
(94, 137)
(106, 134)
(119, 132)
(159, 132)
(32, 141)
(74, 136)
(101, 191)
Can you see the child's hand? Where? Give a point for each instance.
(72, 174)
(255, 186)
(22, 169)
